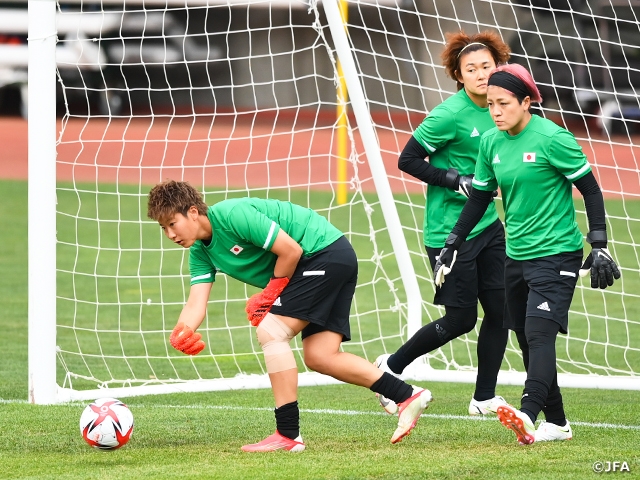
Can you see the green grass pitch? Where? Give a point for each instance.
(192, 436)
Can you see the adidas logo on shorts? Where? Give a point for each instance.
(544, 306)
(277, 303)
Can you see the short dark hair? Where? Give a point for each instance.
(171, 197)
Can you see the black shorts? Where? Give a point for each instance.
(321, 290)
(479, 267)
(540, 287)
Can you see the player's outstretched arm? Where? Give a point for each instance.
(184, 337)
(289, 253)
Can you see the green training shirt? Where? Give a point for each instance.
(451, 134)
(535, 170)
(244, 231)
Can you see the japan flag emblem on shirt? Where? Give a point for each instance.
(236, 249)
(528, 157)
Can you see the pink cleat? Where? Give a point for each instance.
(276, 442)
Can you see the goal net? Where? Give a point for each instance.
(296, 101)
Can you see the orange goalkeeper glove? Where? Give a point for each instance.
(259, 304)
(183, 338)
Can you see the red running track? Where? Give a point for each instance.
(148, 150)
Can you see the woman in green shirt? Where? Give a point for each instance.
(449, 138)
(535, 163)
(308, 271)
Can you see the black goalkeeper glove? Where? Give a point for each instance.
(599, 263)
(458, 183)
(461, 184)
(446, 259)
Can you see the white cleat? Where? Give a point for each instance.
(381, 363)
(549, 432)
(410, 411)
(486, 407)
(389, 405)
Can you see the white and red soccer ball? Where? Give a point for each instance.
(106, 424)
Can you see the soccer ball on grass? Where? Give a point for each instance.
(106, 424)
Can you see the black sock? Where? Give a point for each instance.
(288, 420)
(530, 414)
(541, 336)
(456, 322)
(393, 388)
(554, 409)
(492, 342)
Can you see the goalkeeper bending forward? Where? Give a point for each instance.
(309, 272)
(535, 162)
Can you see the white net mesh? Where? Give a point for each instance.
(240, 99)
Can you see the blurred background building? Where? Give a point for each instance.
(116, 59)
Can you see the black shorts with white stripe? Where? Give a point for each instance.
(540, 287)
(321, 290)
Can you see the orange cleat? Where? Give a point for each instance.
(519, 422)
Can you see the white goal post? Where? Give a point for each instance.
(239, 98)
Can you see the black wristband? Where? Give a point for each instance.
(452, 179)
(597, 236)
(454, 241)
